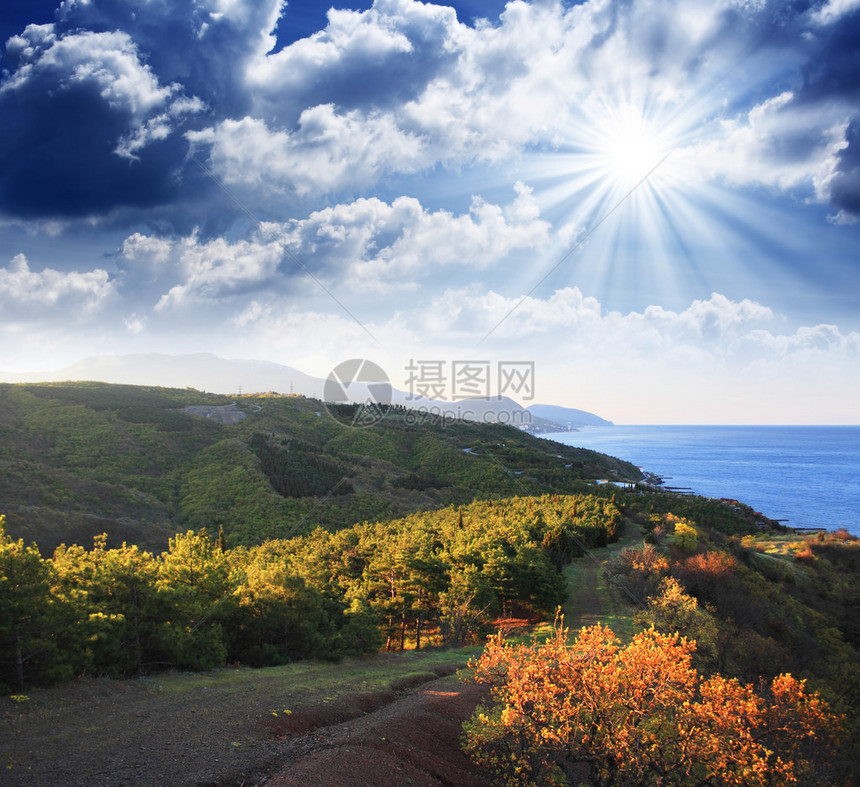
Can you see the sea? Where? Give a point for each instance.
(806, 475)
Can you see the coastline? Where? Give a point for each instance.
(808, 478)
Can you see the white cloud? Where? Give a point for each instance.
(716, 322)
(832, 10)
(329, 151)
(239, 28)
(158, 127)
(135, 324)
(778, 143)
(717, 360)
(252, 314)
(306, 339)
(713, 333)
(478, 95)
(146, 249)
(108, 60)
(380, 246)
(349, 37)
(805, 342)
(718, 318)
(217, 269)
(367, 245)
(404, 86)
(22, 289)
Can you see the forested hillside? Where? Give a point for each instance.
(80, 459)
(284, 536)
(435, 577)
(753, 606)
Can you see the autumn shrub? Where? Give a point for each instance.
(804, 554)
(642, 567)
(672, 610)
(597, 713)
(705, 575)
(713, 565)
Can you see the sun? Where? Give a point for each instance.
(630, 154)
(627, 146)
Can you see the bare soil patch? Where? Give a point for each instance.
(413, 740)
(222, 414)
(248, 728)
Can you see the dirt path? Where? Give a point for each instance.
(586, 605)
(414, 740)
(595, 596)
(221, 728)
(123, 732)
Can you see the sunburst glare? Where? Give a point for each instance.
(627, 147)
(626, 164)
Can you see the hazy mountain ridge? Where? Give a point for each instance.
(567, 416)
(208, 372)
(202, 371)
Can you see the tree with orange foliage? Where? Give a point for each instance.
(594, 712)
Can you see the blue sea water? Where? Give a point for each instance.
(809, 475)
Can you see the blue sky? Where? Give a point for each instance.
(656, 203)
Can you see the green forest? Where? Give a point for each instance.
(431, 578)
(137, 538)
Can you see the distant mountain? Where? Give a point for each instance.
(208, 372)
(491, 409)
(501, 409)
(569, 417)
(203, 371)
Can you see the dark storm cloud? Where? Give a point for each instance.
(87, 126)
(832, 70)
(845, 186)
(832, 75)
(93, 107)
(59, 159)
